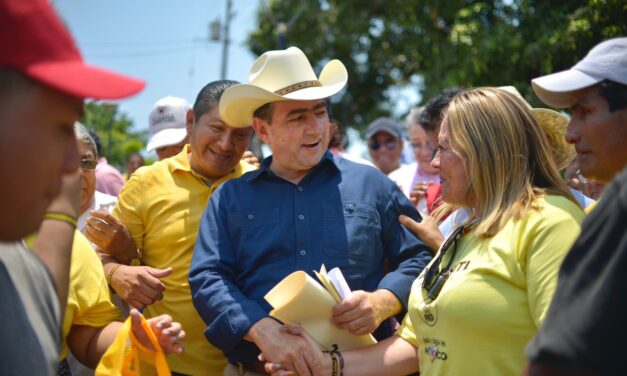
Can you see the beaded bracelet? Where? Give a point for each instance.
(61, 217)
(334, 364)
(337, 356)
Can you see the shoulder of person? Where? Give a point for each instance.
(556, 207)
(403, 171)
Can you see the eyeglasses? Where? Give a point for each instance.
(88, 164)
(434, 277)
(390, 145)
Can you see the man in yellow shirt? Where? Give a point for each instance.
(161, 206)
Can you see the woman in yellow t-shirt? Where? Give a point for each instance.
(485, 294)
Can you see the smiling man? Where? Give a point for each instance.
(301, 209)
(161, 206)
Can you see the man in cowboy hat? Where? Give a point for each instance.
(584, 330)
(301, 209)
(43, 81)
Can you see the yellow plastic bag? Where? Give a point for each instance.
(127, 357)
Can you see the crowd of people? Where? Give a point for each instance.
(484, 236)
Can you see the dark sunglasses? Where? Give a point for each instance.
(390, 145)
(88, 164)
(434, 277)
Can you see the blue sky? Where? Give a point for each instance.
(165, 43)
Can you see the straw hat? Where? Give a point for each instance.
(555, 125)
(277, 76)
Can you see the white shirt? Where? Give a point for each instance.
(101, 201)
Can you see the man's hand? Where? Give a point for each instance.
(363, 312)
(55, 238)
(278, 346)
(110, 236)
(250, 158)
(139, 286)
(168, 333)
(427, 230)
(321, 366)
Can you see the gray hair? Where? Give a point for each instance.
(413, 117)
(82, 134)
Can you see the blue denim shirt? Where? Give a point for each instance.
(259, 228)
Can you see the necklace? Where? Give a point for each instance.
(208, 182)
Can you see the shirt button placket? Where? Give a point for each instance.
(300, 225)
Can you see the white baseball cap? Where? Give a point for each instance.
(605, 61)
(167, 122)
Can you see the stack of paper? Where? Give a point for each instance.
(299, 300)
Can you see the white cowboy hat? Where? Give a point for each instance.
(555, 126)
(277, 76)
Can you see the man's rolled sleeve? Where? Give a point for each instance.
(226, 311)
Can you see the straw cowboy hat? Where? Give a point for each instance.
(555, 125)
(277, 76)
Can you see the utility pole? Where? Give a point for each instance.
(225, 39)
(217, 33)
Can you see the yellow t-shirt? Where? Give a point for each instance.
(161, 205)
(89, 298)
(496, 296)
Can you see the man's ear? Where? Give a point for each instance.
(261, 128)
(189, 122)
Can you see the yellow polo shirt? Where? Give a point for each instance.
(496, 296)
(161, 205)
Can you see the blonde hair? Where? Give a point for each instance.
(507, 156)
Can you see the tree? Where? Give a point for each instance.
(114, 129)
(430, 44)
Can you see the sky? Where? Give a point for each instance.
(165, 43)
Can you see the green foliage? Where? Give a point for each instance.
(114, 129)
(430, 44)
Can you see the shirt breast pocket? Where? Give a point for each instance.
(352, 231)
(253, 233)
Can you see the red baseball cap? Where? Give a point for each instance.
(34, 42)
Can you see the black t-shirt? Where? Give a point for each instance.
(586, 325)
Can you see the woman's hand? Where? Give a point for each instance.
(168, 332)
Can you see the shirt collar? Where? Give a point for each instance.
(180, 162)
(264, 169)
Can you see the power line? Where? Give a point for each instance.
(139, 43)
(143, 52)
